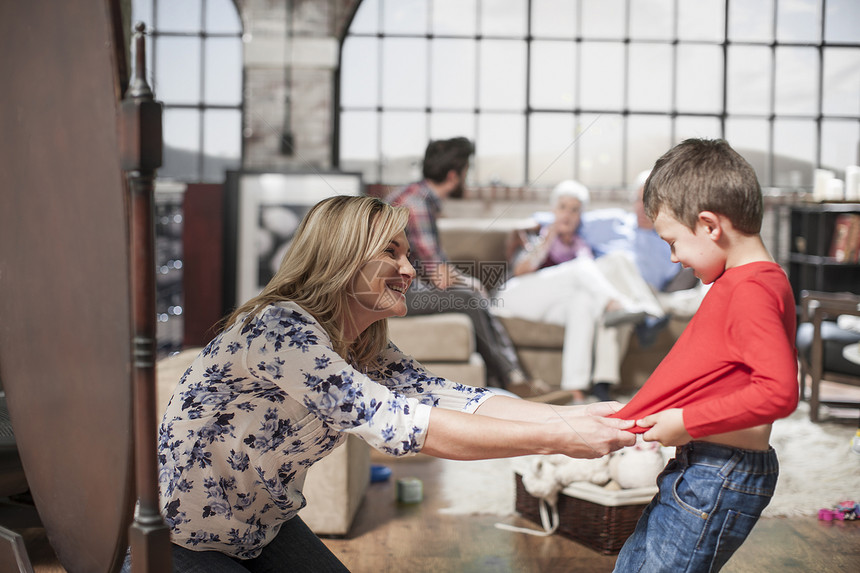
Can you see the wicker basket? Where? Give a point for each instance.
(603, 528)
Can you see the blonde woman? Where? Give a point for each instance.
(307, 362)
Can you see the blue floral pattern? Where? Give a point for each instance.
(263, 402)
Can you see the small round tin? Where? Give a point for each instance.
(410, 490)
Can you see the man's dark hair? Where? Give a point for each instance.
(443, 155)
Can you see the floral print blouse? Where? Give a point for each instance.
(263, 402)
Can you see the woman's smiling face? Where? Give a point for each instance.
(568, 213)
(379, 287)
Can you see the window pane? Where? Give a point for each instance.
(404, 72)
(553, 74)
(841, 90)
(404, 17)
(222, 143)
(648, 137)
(839, 144)
(141, 11)
(652, 20)
(359, 74)
(223, 77)
(502, 74)
(177, 73)
(702, 20)
(798, 21)
(221, 17)
(359, 133)
(181, 144)
(366, 20)
(840, 21)
(649, 86)
(603, 18)
(750, 138)
(699, 83)
(602, 80)
(554, 19)
(749, 83)
(687, 127)
(499, 149)
(452, 84)
(552, 143)
(448, 125)
(506, 18)
(455, 17)
(793, 150)
(404, 138)
(182, 16)
(751, 20)
(797, 81)
(600, 150)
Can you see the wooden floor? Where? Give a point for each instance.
(387, 537)
(391, 537)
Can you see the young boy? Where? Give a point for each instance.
(732, 372)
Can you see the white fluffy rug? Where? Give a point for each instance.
(817, 469)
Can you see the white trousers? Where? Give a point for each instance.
(574, 295)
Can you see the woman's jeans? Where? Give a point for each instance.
(709, 499)
(295, 549)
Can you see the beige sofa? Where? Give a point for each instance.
(481, 247)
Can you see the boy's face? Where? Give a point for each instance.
(696, 249)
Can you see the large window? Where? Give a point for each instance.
(194, 61)
(596, 90)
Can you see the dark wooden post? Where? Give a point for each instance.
(141, 150)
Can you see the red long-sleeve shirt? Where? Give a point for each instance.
(735, 364)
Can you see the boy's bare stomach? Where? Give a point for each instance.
(757, 438)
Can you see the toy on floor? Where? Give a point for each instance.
(844, 511)
(633, 467)
(636, 466)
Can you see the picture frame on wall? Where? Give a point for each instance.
(264, 209)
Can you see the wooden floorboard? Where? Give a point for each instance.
(390, 537)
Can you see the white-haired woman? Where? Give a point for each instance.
(556, 280)
(302, 365)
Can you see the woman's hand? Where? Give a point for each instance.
(666, 427)
(507, 427)
(590, 434)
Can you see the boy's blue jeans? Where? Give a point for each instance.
(710, 497)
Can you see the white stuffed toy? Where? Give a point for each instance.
(571, 470)
(636, 466)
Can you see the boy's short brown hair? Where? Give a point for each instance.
(705, 175)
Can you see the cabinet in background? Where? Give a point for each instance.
(810, 266)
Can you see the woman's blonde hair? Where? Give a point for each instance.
(334, 240)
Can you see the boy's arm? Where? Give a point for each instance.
(666, 427)
(761, 331)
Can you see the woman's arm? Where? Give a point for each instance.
(508, 408)
(531, 255)
(573, 431)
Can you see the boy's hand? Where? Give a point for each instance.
(667, 427)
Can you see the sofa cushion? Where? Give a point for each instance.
(471, 373)
(445, 337)
(533, 334)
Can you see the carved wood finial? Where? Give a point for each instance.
(139, 87)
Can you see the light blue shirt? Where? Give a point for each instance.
(614, 229)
